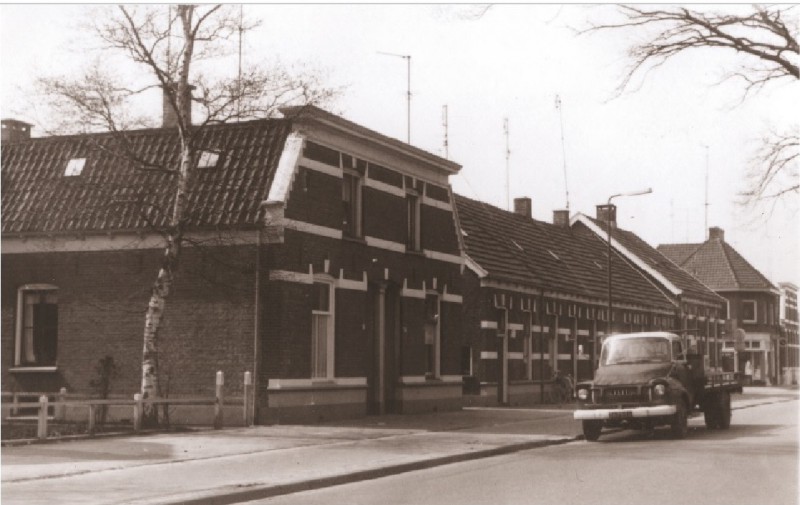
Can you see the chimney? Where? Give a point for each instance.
(715, 233)
(523, 206)
(15, 130)
(607, 214)
(169, 117)
(561, 218)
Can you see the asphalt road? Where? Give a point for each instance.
(755, 462)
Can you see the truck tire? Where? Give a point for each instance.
(679, 425)
(724, 410)
(592, 429)
(711, 412)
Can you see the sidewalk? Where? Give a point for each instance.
(233, 465)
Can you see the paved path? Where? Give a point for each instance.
(247, 463)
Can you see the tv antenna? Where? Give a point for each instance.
(706, 203)
(508, 165)
(406, 57)
(563, 149)
(445, 125)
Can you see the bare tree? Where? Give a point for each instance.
(168, 45)
(765, 38)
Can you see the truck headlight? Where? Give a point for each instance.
(583, 394)
(659, 390)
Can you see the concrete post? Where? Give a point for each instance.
(248, 398)
(137, 412)
(90, 428)
(41, 431)
(219, 400)
(61, 409)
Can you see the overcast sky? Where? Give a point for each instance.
(509, 63)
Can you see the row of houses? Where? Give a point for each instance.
(337, 265)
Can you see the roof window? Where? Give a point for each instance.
(208, 159)
(74, 167)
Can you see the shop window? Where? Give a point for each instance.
(322, 331)
(37, 326)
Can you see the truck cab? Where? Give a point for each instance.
(645, 380)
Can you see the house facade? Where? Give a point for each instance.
(789, 346)
(535, 301)
(751, 341)
(320, 256)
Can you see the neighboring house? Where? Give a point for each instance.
(321, 256)
(535, 300)
(789, 349)
(698, 309)
(753, 303)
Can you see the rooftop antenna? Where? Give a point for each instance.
(706, 204)
(445, 124)
(508, 165)
(563, 149)
(406, 57)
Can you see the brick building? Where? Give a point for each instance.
(535, 300)
(698, 310)
(321, 255)
(752, 304)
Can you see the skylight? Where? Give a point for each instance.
(208, 159)
(74, 167)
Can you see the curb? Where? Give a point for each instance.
(269, 491)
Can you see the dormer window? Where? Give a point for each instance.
(74, 167)
(207, 159)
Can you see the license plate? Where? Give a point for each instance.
(620, 415)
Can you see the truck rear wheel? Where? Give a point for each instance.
(711, 413)
(679, 424)
(724, 410)
(592, 429)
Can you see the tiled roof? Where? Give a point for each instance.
(515, 248)
(717, 265)
(120, 187)
(693, 286)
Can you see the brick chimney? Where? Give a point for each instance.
(15, 130)
(715, 233)
(523, 206)
(607, 214)
(561, 218)
(169, 117)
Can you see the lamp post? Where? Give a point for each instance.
(608, 240)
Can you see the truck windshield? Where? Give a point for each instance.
(635, 350)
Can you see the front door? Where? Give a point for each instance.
(383, 371)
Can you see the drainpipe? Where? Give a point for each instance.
(541, 344)
(257, 318)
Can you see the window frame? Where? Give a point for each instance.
(755, 311)
(352, 224)
(413, 243)
(330, 346)
(19, 328)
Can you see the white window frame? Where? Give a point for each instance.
(330, 347)
(208, 159)
(74, 167)
(755, 311)
(20, 321)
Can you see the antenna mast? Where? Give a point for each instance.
(508, 165)
(563, 149)
(406, 57)
(445, 125)
(706, 204)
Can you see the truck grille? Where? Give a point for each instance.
(621, 394)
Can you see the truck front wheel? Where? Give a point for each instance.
(724, 411)
(679, 424)
(592, 429)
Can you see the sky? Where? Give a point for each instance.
(673, 131)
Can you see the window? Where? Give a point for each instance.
(748, 311)
(322, 333)
(677, 350)
(75, 167)
(351, 204)
(37, 325)
(432, 335)
(208, 159)
(413, 222)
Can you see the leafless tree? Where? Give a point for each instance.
(169, 44)
(765, 38)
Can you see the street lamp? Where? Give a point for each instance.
(608, 230)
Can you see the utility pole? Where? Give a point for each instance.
(406, 57)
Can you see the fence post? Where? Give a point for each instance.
(248, 397)
(90, 429)
(61, 409)
(41, 431)
(219, 401)
(137, 412)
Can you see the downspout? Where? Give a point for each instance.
(541, 344)
(257, 319)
